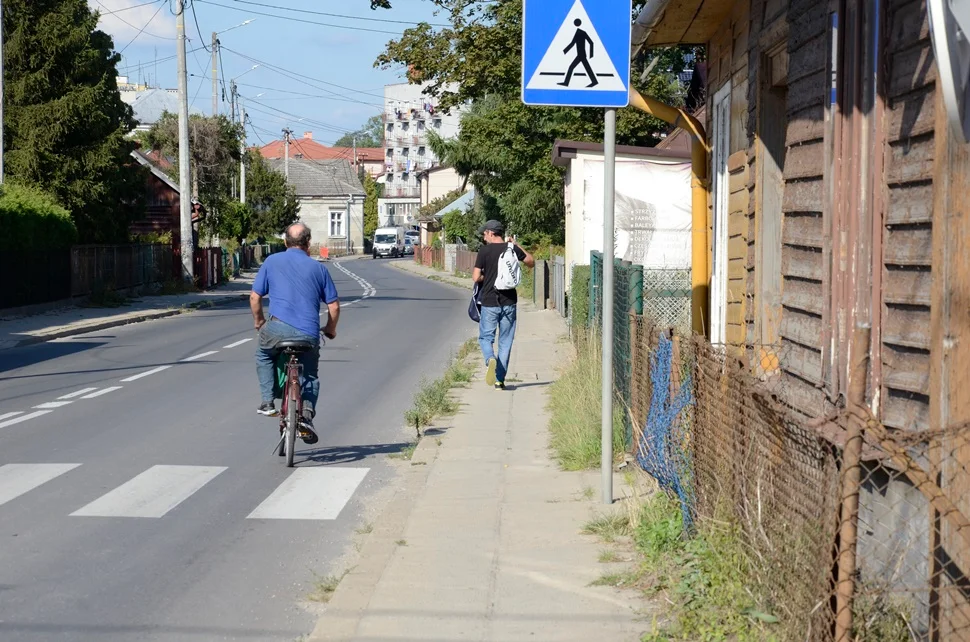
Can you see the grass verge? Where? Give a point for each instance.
(434, 399)
(575, 404)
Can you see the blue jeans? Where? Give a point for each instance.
(503, 319)
(266, 354)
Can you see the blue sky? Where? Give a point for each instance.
(342, 55)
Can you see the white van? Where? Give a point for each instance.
(389, 241)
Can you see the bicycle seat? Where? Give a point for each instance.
(295, 346)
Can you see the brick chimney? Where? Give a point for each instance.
(308, 135)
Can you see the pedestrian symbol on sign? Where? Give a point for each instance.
(575, 52)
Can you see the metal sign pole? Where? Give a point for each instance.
(609, 196)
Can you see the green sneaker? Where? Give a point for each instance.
(490, 372)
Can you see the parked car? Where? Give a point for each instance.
(408, 245)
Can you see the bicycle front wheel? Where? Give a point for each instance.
(290, 441)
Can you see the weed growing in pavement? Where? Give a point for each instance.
(401, 542)
(365, 528)
(105, 296)
(607, 557)
(434, 399)
(588, 492)
(324, 587)
(575, 402)
(406, 453)
(609, 527)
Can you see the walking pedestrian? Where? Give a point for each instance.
(495, 269)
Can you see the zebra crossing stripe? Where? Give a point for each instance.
(153, 493)
(311, 494)
(17, 479)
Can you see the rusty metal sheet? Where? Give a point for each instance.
(910, 203)
(908, 246)
(805, 230)
(910, 161)
(907, 286)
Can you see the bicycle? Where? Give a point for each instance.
(291, 410)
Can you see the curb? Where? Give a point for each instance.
(444, 277)
(147, 316)
(349, 602)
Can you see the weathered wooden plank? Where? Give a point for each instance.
(910, 25)
(803, 196)
(803, 230)
(801, 361)
(911, 69)
(910, 245)
(735, 332)
(807, 19)
(738, 203)
(906, 411)
(736, 293)
(808, 58)
(804, 329)
(737, 270)
(803, 295)
(911, 160)
(907, 286)
(806, 124)
(912, 114)
(907, 326)
(738, 251)
(807, 91)
(905, 369)
(801, 396)
(910, 203)
(738, 162)
(738, 224)
(806, 160)
(801, 263)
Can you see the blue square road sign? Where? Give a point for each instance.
(576, 53)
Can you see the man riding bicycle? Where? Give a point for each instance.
(296, 284)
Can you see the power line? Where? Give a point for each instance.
(134, 6)
(201, 38)
(300, 93)
(309, 22)
(142, 30)
(325, 126)
(302, 78)
(334, 15)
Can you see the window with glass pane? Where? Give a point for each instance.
(336, 223)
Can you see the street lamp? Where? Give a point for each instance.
(215, 65)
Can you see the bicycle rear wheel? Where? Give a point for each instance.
(289, 444)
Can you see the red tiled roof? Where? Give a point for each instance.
(312, 150)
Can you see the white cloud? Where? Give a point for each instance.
(124, 25)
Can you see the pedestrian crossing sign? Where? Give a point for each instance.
(576, 53)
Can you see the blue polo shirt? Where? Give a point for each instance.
(296, 284)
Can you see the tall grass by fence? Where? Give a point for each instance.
(860, 543)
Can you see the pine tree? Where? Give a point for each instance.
(65, 122)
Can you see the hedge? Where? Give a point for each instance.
(32, 220)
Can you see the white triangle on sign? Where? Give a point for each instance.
(556, 64)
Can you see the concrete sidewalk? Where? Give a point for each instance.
(437, 275)
(69, 321)
(483, 540)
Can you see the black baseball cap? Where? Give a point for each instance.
(493, 225)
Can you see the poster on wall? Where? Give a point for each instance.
(652, 216)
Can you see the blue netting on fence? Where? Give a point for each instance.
(662, 451)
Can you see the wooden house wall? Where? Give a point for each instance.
(907, 237)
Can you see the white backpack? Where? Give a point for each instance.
(509, 272)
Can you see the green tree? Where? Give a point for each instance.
(504, 147)
(373, 189)
(64, 121)
(214, 143)
(235, 221)
(370, 135)
(272, 202)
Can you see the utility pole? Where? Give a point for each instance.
(215, 74)
(286, 153)
(355, 155)
(185, 188)
(609, 249)
(242, 155)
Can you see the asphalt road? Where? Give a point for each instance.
(151, 508)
